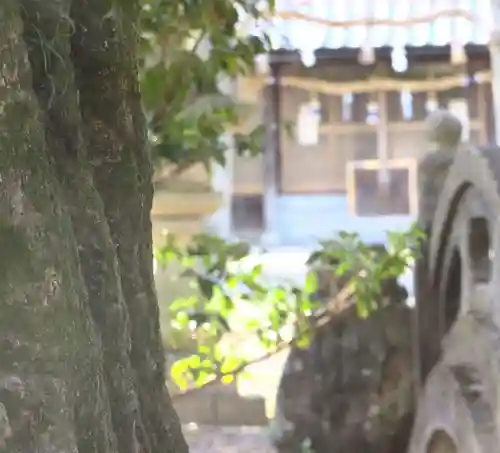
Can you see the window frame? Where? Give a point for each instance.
(409, 164)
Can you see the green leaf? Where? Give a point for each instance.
(230, 364)
(206, 287)
(362, 308)
(342, 269)
(200, 317)
(179, 372)
(227, 379)
(304, 341)
(183, 304)
(314, 258)
(153, 85)
(311, 284)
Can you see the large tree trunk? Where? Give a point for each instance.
(81, 363)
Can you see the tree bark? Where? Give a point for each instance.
(82, 367)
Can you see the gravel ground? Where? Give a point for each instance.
(220, 439)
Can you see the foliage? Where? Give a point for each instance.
(231, 299)
(187, 49)
(234, 299)
(366, 266)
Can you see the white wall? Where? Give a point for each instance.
(303, 219)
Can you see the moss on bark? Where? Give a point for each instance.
(49, 346)
(55, 87)
(82, 366)
(104, 56)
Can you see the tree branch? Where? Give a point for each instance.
(335, 305)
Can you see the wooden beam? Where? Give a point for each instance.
(494, 46)
(271, 149)
(341, 128)
(409, 164)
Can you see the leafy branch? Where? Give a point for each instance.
(234, 302)
(186, 49)
(298, 340)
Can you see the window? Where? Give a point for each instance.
(368, 198)
(247, 212)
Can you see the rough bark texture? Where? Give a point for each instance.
(82, 366)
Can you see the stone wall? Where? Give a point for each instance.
(222, 406)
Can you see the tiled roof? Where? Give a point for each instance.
(301, 35)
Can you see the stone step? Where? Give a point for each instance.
(227, 439)
(221, 409)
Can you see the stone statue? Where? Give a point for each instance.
(443, 132)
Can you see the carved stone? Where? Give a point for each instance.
(456, 329)
(444, 129)
(456, 288)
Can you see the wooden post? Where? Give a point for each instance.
(495, 65)
(383, 138)
(223, 175)
(222, 183)
(271, 156)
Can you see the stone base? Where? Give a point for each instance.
(458, 409)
